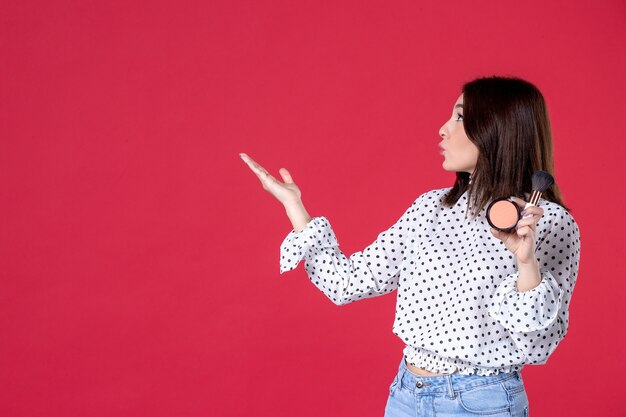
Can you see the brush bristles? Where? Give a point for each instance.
(542, 181)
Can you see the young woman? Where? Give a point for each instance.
(474, 305)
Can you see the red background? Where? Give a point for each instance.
(140, 255)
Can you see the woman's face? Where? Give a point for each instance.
(460, 154)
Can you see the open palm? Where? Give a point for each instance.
(286, 192)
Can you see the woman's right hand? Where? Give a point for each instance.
(286, 192)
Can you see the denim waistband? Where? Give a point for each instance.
(449, 384)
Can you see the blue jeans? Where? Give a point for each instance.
(501, 395)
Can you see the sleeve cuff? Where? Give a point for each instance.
(316, 234)
(526, 311)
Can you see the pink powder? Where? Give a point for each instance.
(503, 214)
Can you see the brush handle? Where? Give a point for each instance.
(533, 200)
(529, 204)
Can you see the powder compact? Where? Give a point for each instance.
(503, 214)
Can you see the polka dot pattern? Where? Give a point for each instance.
(457, 303)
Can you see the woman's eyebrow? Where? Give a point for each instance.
(458, 105)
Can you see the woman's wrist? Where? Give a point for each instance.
(297, 215)
(529, 275)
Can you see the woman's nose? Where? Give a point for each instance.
(441, 131)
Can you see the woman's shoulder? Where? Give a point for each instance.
(553, 209)
(557, 216)
(429, 198)
(432, 197)
(427, 201)
(434, 194)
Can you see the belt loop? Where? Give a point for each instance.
(402, 370)
(450, 387)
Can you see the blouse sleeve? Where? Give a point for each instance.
(368, 273)
(538, 319)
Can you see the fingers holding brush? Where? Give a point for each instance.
(530, 217)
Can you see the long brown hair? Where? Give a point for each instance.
(507, 119)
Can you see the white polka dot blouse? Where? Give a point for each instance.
(457, 304)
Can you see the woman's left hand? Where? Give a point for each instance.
(522, 242)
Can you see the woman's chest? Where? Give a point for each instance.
(453, 251)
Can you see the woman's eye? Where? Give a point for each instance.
(459, 115)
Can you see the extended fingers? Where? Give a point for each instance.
(256, 168)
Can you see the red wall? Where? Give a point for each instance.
(140, 256)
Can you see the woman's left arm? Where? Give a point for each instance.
(532, 304)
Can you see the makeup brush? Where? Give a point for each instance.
(541, 182)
